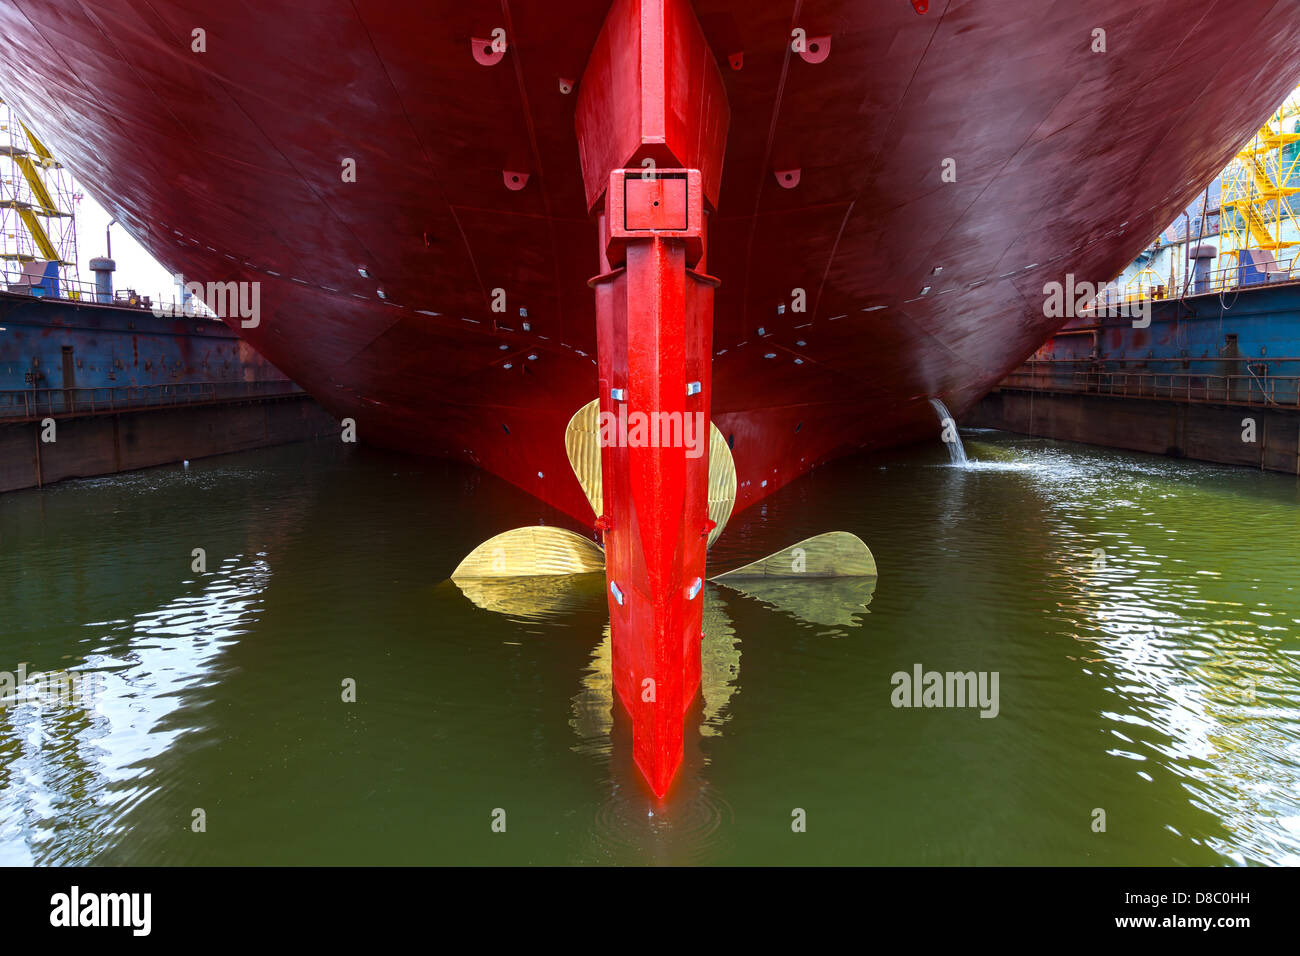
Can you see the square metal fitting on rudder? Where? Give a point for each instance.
(659, 203)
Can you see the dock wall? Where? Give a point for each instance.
(1204, 431)
(115, 441)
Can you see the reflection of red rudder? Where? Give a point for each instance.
(653, 91)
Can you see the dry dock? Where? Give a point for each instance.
(1212, 377)
(92, 389)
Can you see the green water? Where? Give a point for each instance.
(1156, 679)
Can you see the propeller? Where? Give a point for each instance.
(827, 579)
(507, 573)
(528, 571)
(835, 554)
(582, 442)
(532, 550)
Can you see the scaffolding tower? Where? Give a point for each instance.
(38, 199)
(1258, 224)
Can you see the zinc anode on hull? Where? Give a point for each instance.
(226, 164)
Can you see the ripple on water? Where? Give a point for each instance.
(1144, 615)
(690, 827)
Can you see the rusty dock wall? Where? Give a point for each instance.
(1214, 377)
(1179, 429)
(151, 430)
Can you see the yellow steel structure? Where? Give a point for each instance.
(1146, 284)
(1256, 191)
(28, 204)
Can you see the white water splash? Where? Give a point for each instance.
(951, 437)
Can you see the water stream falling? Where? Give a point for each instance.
(951, 437)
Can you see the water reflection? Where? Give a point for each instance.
(536, 598)
(1192, 630)
(827, 602)
(72, 772)
(594, 706)
(1143, 615)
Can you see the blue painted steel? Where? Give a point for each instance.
(1250, 336)
(1254, 266)
(49, 343)
(49, 283)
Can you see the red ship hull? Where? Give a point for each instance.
(912, 177)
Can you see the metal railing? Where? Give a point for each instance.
(1255, 386)
(1229, 278)
(1147, 285)
(66, 290)
(36, 403)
